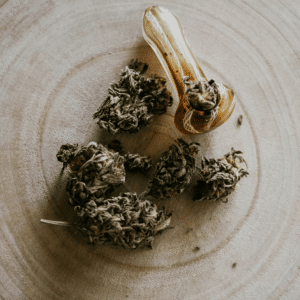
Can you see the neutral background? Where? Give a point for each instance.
(57, 59)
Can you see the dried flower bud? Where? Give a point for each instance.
(94, 171)
(126, 220)
(132, 162)
(138, 66)
(174, 170)
(202, 95)
(218, 178)
(132, 102)
(135, 162)
(66, 154)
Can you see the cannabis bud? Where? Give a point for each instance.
(218, 178)
(94, 170)
(127, 220)
(132, 102)
(132, 162)
(135, 162)
(174, 170)
(138, 66)
(66, 154)
(202, 95)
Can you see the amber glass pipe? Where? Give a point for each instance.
(163, 32)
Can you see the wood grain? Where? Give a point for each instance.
(57, 59)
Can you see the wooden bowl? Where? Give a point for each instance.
(57, 59)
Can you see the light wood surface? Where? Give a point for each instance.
(57, 59)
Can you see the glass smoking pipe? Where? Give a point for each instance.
(203, 105)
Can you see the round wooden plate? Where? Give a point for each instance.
(57, 59)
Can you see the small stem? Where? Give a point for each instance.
(59, 223)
